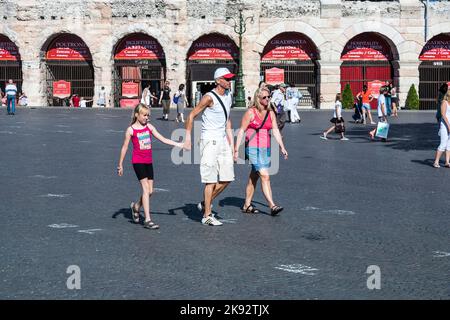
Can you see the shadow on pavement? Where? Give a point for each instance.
(402, 136)
(190, 210)
(126, 212)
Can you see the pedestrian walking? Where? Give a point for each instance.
(164, 99)
(293, 97)
(388, 97)
(216, 142)
(366, 98)
(140, 133)
(442, 91)
(382, 111)
(256, 125)
(181, 102)
(10, 93)
(147, 96)
(101, 101)
(444, 132)
(279, 100)
(75, 101)
(337, 120)
(394, 102)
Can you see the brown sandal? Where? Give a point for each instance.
(250, 209)
(134, 214)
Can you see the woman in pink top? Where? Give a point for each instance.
(257, 123)
(140, 133)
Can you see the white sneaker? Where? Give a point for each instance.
(344, 139)
(210, 220)
(324, 137)
(373, 122)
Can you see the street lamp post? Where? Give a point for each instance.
(240, 27)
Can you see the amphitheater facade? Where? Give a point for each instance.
(52, 49)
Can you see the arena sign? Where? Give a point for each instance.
(8, 50)
(289, 46)
(366, 47)
(213, 47)
(139, 47)
(438, 48)
(68, 47)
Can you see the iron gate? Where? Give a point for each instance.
(11, 70)
(145, 72)
(80, 74)
(359, 73)
(432, 74)
(304, 75)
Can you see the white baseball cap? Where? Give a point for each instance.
(223, 72)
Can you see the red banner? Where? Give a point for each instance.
(139, 47)
(130, 89)
(128, 103)
(68, 47)
(61, 89)
(274, 76)
(213, 47)
(289, 46)
(438, 48)
(8, 50)
(374, 88)
(366, 46)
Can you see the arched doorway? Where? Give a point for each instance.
(434, 69)
(291, 57)
(206, 54)
(139, 61)
(68, 70)
(368, 59)
(10, 64)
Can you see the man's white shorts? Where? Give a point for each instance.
(216, 161)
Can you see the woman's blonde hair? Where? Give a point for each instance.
(447, 96)
(138, 110)
(256, 97)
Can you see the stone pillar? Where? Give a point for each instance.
(409, 74)
(330, 77)
(32, 82)
(103, 70)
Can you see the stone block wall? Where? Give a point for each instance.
(329, 24)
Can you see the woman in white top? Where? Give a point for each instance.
(337, 120)
(444, 132)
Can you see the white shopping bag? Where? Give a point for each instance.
(382, 130)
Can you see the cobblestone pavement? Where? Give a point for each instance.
(348, 205)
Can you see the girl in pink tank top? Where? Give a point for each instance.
(140, 133)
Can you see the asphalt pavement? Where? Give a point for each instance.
(362, 219)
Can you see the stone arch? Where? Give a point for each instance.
(152, 32)
(223, 30)
(437, 29)
(388, 33)
(48, 35)
(300, 27)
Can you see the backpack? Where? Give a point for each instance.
(175, 99)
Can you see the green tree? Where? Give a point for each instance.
(412, 100)
(347, 97)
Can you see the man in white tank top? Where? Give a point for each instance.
(216, 143)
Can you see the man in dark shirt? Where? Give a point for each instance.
(164, 99)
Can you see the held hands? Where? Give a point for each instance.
(235, 155)
(187, 145)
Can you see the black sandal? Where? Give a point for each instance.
(150, 225)
(250, 209)
(275, 210)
